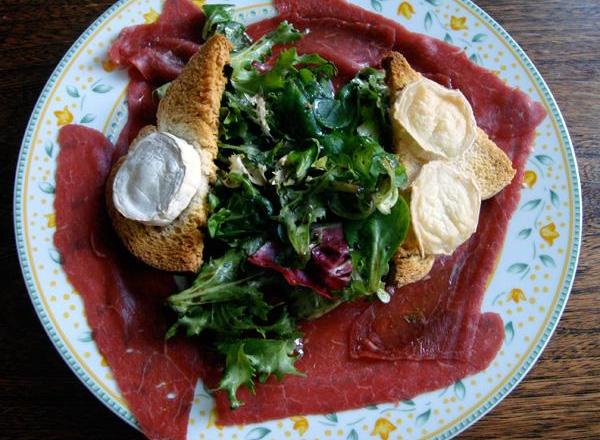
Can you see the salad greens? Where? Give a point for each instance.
(306, 212)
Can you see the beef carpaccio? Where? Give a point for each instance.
(431, 333)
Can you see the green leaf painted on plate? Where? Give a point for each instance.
(544, 159)
(331, 417)
(376, 4)
(48, 148)
(46, 187)
(72, 91)
(87, 118)
(518, 268)
(524, 233)
(408, 402)
(86, 337)
(547, 260)
(55, 256)
(428, 21)
(554, 199)
(101, 88)
(352, 435)
(448, 38)
(257, 433)
(423, 418)
(459, 390)
(479, 38)
(371, 407)
(531, 205)
(474, 59)
(509, 332)
(433, 2)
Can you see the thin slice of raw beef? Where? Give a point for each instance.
(160, 50)
(123, 298)
(432, 332)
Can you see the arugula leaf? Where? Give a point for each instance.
(374, 242)
(247, 358)
(219, 19)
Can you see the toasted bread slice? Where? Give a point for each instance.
(408, 265)
(490, 166)
(189, 110)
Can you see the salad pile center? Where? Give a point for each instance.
(307, 210)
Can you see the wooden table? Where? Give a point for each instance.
(40, 398)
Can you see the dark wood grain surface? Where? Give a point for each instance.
(40, 398)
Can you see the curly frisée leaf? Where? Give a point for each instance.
(248, 358)
(242, 61)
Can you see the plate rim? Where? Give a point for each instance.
(457, 427)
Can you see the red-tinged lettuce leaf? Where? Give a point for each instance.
(329, 268)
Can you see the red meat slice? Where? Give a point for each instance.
(336, 382)
(160, 50)
(123, 298)
(350, 47)
(432, 332)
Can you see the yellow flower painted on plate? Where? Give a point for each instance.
(151, 16)
(458, 23)
(63, 117)
(300, 424)
(383, 427)
(529, 178)
(108, 65)
(199, 3)
(549, 233)
(212, 420)
(516, 295)
(51, 218)
(406, 10)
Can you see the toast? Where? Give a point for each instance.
(490, 166)
(189, 110)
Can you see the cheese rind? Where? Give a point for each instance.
(158, 179)
(444, 208)
(435, 122)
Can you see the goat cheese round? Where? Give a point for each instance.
(158, 179)
(438, 122)
(444, 208)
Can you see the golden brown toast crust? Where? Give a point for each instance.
(189, 110)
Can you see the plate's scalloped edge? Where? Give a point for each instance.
(114, 406)
(466, 422)
(574, 255)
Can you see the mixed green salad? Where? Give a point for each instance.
(306, 212)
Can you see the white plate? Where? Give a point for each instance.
(529, 288)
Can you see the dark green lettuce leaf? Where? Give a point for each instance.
(373, 243)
